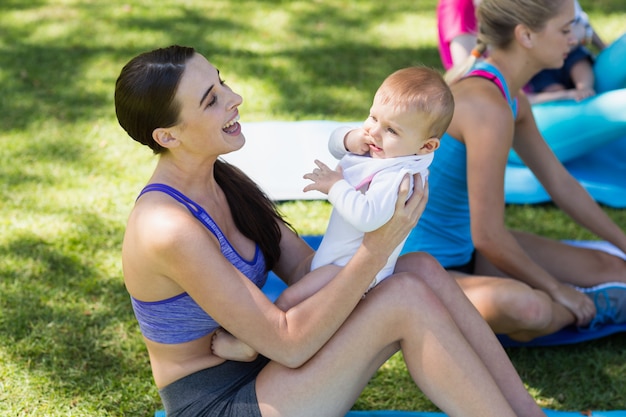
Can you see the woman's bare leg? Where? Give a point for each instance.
(400, 313)
(513, 308)
(574, 265)
(475, 330)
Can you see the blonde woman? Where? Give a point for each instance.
(522, 284)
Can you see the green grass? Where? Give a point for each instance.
(69, 345)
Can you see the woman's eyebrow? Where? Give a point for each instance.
(206, 93)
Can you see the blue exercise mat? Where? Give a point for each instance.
(389, 413)
(549, 413)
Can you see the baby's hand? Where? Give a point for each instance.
(356, 142)
(582, 93)
(228, 347)
(323, 178)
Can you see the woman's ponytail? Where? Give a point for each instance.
(460, 69)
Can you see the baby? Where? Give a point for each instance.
(410, 112)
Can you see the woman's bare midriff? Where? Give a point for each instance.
(173, 362)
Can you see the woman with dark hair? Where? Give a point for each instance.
(200, 241)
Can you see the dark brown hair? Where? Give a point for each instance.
(144, 101)
(145, 90)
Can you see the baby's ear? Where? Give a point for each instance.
(431, 145)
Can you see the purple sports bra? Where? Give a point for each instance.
(180, 319)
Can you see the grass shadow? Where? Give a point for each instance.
(555, 372)
(64, 322)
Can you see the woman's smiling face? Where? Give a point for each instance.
(208, 108)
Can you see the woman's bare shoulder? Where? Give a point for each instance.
(159, 234)
(475, 94)
(160, 221)
(479, 107)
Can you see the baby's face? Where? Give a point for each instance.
(579, 29)
(393, 132)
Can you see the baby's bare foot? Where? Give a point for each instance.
(227, 346)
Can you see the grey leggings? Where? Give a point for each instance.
(225, 390)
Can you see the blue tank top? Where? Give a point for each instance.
(444, 230)
(180, 319)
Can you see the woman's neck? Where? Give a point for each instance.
(188, 175)
(515, 67)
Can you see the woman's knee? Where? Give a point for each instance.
(411, 295)
(420, 264)
(508, 304)
(531, 309)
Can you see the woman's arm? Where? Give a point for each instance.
(567, 193)
(488, 139)
(295, 258)
(488, 126)
(558, 95)
(565, 190)
(461, 47)
(191, 257)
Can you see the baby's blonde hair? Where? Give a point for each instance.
(421, 89)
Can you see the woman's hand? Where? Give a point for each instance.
(581, 306)
(404, 219)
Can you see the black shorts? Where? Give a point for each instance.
(467, 268)
(225, 390)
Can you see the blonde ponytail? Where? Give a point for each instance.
(457, 71)
(497, 20)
